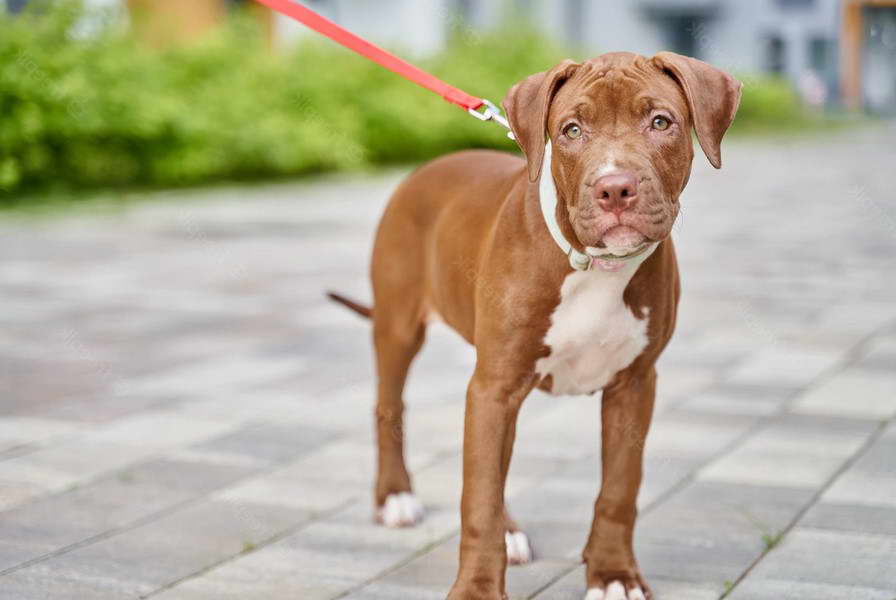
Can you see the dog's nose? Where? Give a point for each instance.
(616, 192)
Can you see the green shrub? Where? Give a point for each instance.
(100, 109)
(769, 103)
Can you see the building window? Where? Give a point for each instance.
(798, 4)
(15, 6)
(462, 10)
(524, 7)
(684, 26)
(575, 21)
(775, 54)
(681, 33)
(878, 77)
(819, 54)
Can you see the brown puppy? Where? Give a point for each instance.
(561, 271)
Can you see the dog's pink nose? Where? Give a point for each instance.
(616, 192)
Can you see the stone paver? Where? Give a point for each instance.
(183, 416)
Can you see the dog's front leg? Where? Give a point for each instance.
(612, 571)
(493, 403)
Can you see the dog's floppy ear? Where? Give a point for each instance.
(526, 105)
(712, 95)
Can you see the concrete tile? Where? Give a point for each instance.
(693, 435)
(724, 402)
(786, 365)
(857, 316)
(62, 466)
(14, 493)
(61, 520)
(851, 393)
(158, 430)
(869, 489)
(557, 499)
(315, 493)
(680, 382)
(270, 443)
(267, 574)
(247, 407)
(879, 354)
(871, 481)
(177, 545)
(720, 514)
(204, 377)
(792, 452)
(36, 583)
(19, 430)
(387, 591)
(661, 475)
(832, 558)
(439, 482)
(775, 589)
(856, 518)
(714, 563)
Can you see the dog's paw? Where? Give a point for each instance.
(616, 591)
(400, 510)
(519, 550)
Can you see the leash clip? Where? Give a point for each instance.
(492, 113)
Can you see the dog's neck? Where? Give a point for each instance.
(547, 192)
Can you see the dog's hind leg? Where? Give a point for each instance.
(399, 329)
(395, 347)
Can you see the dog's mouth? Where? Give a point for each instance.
(621, 243)
(615, 255)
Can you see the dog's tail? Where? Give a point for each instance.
(364, 311)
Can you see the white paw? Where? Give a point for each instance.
(615, 591)
(519, 551)
(400, 510)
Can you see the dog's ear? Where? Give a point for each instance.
(712, 95)
(526, 105)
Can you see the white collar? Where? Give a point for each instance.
(547, 192)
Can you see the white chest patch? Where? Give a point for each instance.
(593, 335)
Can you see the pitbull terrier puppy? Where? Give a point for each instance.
(561, 271)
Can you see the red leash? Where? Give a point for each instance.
(388, 60)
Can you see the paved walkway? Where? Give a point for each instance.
(183, 417)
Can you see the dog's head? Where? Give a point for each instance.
(619, 126)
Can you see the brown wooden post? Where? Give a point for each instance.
(265, 17)
(852, 40)
(851, 54)
(163, 22)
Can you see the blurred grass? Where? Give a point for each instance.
(100, 110)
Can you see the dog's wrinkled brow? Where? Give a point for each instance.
(582, 111)
(646, 103)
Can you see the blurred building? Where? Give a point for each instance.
(833, 51)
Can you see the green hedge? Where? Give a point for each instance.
(94, 109)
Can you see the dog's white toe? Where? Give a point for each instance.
(615, 591)
(519, 551)
(595, 594)
(400, 510)
(636, 594)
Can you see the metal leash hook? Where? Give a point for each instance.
(491, 112)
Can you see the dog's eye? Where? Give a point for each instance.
(661, 123)
(572, 131)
